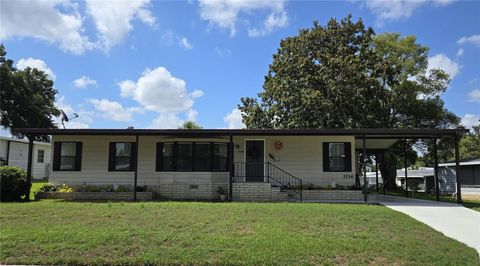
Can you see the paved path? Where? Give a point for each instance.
(452, 220)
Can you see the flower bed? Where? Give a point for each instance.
(115, 196)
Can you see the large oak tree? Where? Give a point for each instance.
(342, 75)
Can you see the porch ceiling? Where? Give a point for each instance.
(375, 144)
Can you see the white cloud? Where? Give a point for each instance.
(441, 61)
(84, 82)
(114, 20)
(53, 21)
(234, 119)
(112, 110)
(460, 52)
(157, 90)
(222, 51)
(470, 120)
(474, 96)
(36, 63)
(183, 42)
(225, 13)
(166, 121)
(82, 121)
(386, 10)
(192, 115)
(274, 20)
(474, 39)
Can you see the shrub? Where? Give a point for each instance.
(48, 188)
(13, 183)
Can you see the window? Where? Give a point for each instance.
(337, 157)
(40, 156)
(184, 157)
(220, 156)
(192, 156)
(67, 156)
(122, 156)
(202, 157)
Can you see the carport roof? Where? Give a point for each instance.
(381, 133)
(376, 138)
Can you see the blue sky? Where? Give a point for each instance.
(154, 64)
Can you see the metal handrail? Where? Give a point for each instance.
(273, 173)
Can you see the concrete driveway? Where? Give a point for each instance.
(452, 220)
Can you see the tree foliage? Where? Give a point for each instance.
(342, 75)
(470, 144)
(190, 125)
(27, 97)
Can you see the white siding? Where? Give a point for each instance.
(95, 164)
(301, 156)
(18, 156)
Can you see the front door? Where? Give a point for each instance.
(254, 160)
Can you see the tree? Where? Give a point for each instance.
(27, 98)
(190, 125)
(342, 75)
(470, 144)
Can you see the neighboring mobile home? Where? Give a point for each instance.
(196, 163)
(14, 152)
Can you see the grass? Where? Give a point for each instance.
(469, 201)
(36, 185)
(56, 232)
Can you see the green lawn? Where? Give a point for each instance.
(55, 232)
(469, 201)
(36, 185)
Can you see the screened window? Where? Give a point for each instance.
(167, 156)
(40, 156)
(220, 156)
(202, 157)
(122, 156)
(184, 157)
(67, 156)
(337, 157)
(192, 156)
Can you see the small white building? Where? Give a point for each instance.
(14, 152)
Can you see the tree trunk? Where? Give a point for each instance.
(388, 169)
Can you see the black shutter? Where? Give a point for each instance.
(348, 156)
(133, 157)
(159, 161)
(326, 158)
(56, 155)
(229, 156)
(78, 156)
(111, 157)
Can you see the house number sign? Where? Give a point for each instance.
(347, 176)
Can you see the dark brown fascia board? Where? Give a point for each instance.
(380, 133)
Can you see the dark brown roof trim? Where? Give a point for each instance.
(368, 132)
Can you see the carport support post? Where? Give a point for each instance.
(230, 167)
(29, 167)
(406, 174)
(376, 170)
(365, 168)
(457, 170)
(435, 169)
(136, 170)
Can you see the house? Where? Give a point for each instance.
(14, 152)
(248, 164)
(469, 172)
(424, 176)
